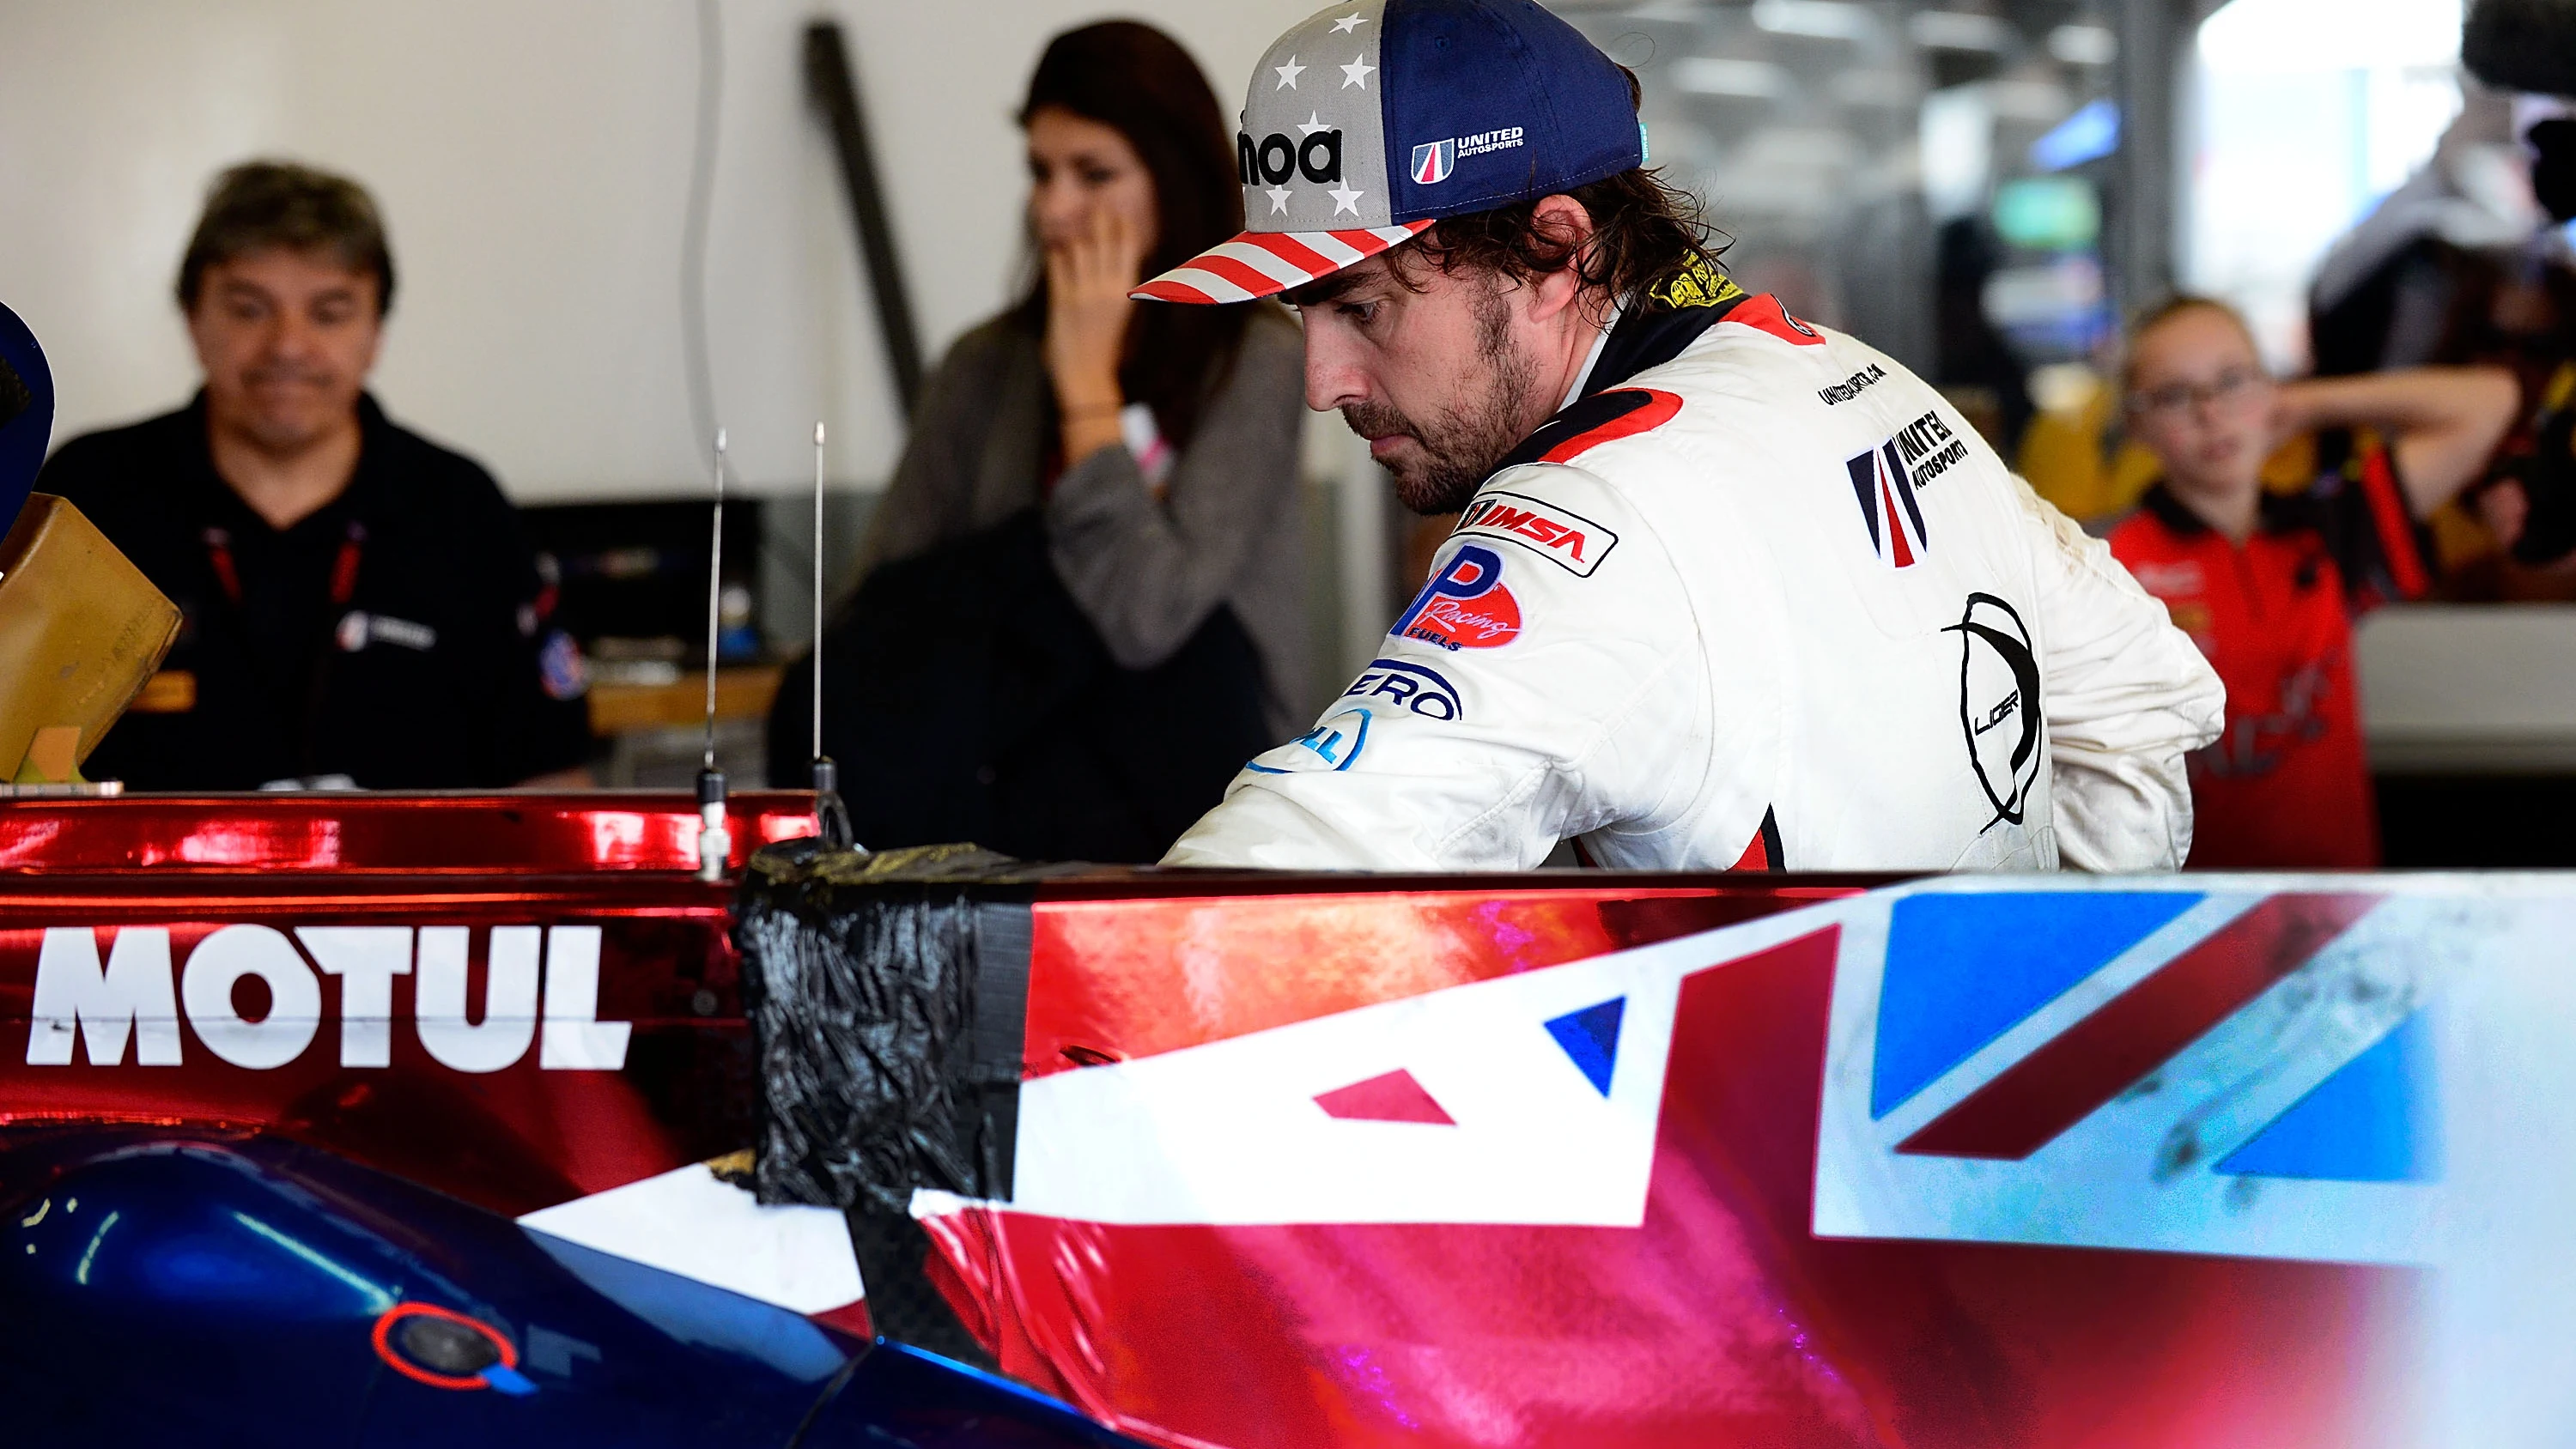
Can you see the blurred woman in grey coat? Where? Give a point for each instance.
(1083, 603)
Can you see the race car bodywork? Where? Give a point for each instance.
(1245, 1160)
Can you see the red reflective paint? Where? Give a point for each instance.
(515, 1139)
(385, 833)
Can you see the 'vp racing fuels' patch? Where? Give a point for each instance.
(1465, 606)
(1561, 536)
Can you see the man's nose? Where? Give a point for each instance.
(290, 335)
(1332, 380)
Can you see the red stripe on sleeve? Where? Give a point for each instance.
(1654, 414)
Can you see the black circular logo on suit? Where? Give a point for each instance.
(1999, 703)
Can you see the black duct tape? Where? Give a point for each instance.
(888, 996)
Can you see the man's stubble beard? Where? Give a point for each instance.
(1461, 450)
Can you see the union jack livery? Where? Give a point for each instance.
(2055, 1163)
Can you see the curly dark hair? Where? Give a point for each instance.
(1647, 236)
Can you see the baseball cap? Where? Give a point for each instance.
(1369, 121)
(26, 413)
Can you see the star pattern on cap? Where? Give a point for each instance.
(1345, 199)
(1349, 24)
(1288, 74)
(1357, 73)
(1278, 199)
(1314, 122)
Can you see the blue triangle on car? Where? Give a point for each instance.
(1591, 1038)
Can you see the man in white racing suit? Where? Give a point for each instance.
(1728, 589)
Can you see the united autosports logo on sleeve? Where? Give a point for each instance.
(1465, 606)
(1561, 536)
(1887, 505)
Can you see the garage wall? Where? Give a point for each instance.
(533, 162)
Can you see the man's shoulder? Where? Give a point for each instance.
(431, 475)
(127, 477)
(110, 455)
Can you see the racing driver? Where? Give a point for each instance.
(1728, 589)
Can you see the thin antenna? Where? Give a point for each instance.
(715, 595)
(715, 842)
(818, 591)
(831, 816)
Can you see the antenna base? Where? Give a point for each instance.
(715, 841)
(831, 816)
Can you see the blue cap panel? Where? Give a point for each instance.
(1490, 102)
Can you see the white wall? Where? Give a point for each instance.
(532, 159)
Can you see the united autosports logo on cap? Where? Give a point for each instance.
(1434, 160)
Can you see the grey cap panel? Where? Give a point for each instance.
(1313, 137)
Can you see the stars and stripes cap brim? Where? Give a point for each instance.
(1265, 263)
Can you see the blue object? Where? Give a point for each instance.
(1962, 969)
(1591, 1038)
(245, 1290)
(1461, 76)
(2092, 133)
(26, 413)
(2374, 1120)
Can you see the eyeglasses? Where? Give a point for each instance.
(2174, 399)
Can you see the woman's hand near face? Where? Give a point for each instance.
(1088, 278)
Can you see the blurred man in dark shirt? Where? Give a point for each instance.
(360, 608)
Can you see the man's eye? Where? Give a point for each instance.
(1360, 312)
(1097, 176)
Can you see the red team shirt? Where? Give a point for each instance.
(2288, 783)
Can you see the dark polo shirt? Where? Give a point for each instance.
(397, 636)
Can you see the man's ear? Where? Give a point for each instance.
(1562, 220)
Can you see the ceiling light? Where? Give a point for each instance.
(2084, 44)
(1710, 75)
(1823, 19)
(1960, 30)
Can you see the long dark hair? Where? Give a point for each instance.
(1139, 82)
